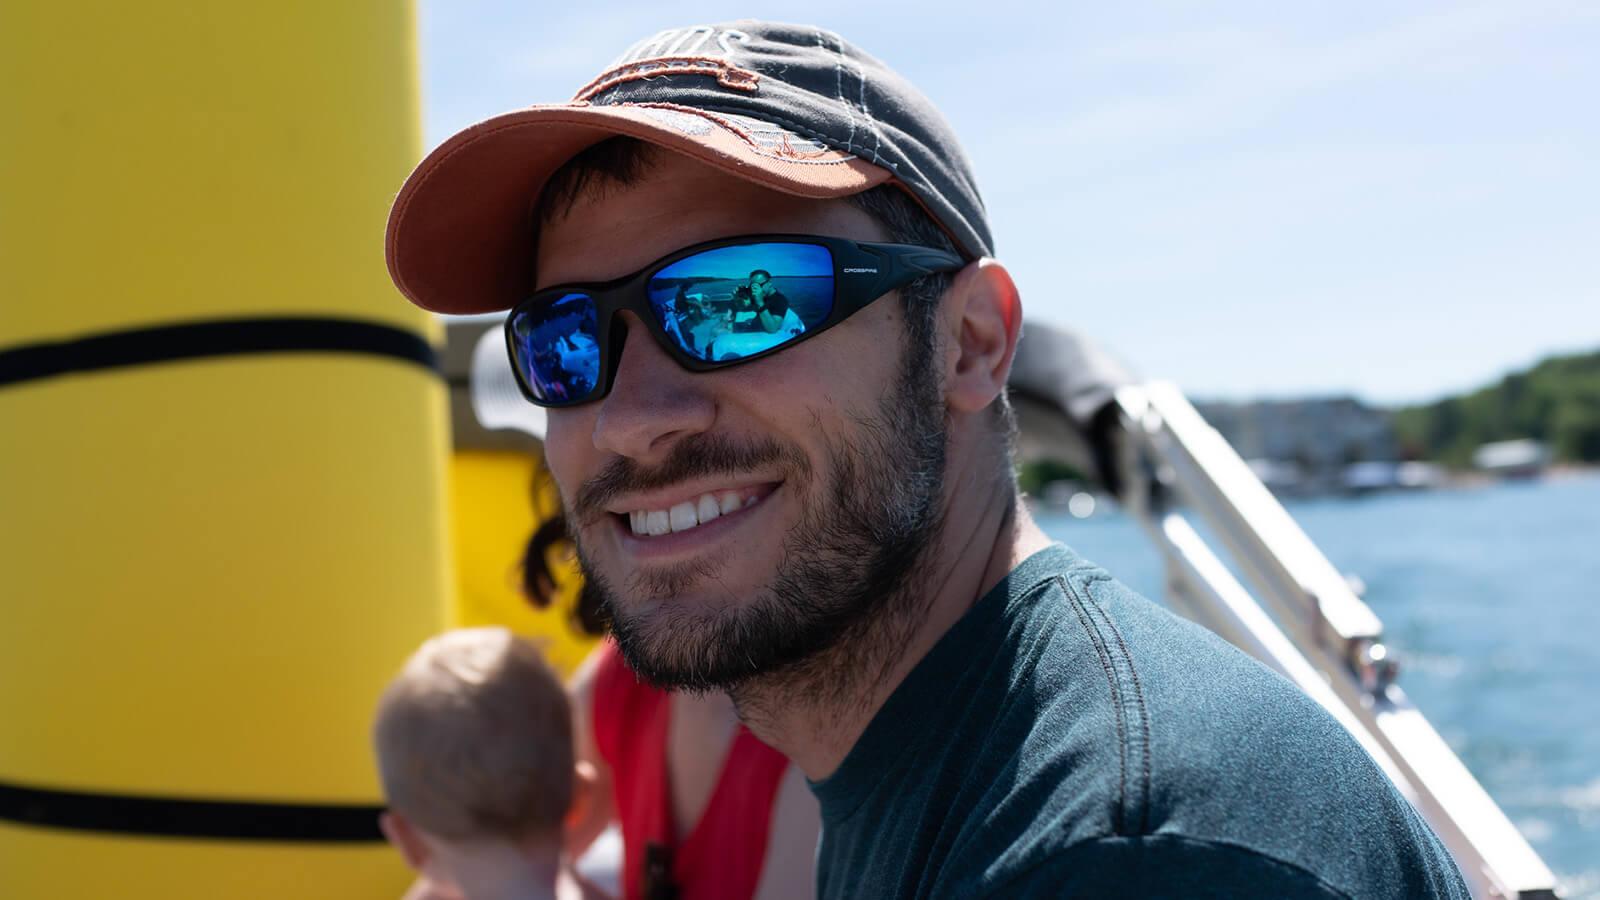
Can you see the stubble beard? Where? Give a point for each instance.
(852, 586)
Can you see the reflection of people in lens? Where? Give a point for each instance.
(580, 360)
(686, 314)
(551, 376)
(768, 304)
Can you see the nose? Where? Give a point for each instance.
(653, 403)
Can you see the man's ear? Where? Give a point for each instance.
(584, 778)
(983, 321)
(404, 836)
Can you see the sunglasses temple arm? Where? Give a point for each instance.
(910, 263)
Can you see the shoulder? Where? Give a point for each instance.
(1147, 725)
(1181, 714)
(1174, 865)
(1164, 866)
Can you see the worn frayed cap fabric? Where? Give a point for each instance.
(795, 108)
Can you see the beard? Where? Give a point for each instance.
(850, 588)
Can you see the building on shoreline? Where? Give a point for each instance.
(1315, 445)
(1524, 458)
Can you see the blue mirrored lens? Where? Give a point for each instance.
(556, 349)
(732, 302)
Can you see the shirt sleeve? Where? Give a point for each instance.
(777, 304)
(1157, 866)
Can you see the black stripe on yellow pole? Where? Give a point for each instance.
(120, 814)
(197, 340)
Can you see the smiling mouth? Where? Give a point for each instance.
(691, 514)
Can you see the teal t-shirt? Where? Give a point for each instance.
(1068, 738)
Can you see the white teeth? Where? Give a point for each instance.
(707, 509)
(683, 517)
(689, 513)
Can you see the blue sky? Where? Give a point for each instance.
(1250, 199)
(738, 262)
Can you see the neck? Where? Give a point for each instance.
(987, 532)
(505, 871)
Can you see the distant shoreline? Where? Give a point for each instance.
(1556, 472)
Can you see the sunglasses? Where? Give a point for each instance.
(709, 306)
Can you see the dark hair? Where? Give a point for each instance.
(539, 583)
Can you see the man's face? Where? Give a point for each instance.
(758, 287)
(740, 520)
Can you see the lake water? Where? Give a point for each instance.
(1491, 597)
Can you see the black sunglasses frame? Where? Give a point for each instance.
(863, 271)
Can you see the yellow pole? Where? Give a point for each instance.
(500, 497)
(222, 448)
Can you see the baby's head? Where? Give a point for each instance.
(474, 745)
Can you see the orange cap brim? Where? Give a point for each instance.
(460, 235)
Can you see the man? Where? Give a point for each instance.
(769, 306)
(829, 529)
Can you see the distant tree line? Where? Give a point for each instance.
(1556, 401)
(1032, 476)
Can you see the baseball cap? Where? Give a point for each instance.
(794, 108)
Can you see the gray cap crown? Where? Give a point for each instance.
(815, 84)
